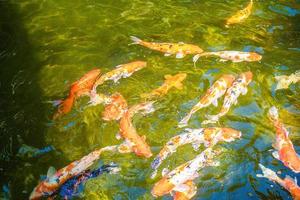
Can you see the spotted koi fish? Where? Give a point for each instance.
(52, 183)
(239, 87)
(179, 179)
(207, 136)
(288, 183)
(179, 49)
(234, 56)
(121, 71)
(79, 88)
(133, 141)
(170, 82)
(284, 146)
(285, 81)
(240, 15)
(212, 95)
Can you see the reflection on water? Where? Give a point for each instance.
(47, 45)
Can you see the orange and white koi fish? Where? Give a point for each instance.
(178, 179)
(288, 183)
(121, 71)
(115, 109)
(179, 49)
(54, 181)
(239, 86)
(79, 88)
(240, 15)
(207, 136)
(284, 146)
(133, 142)
(171, 81)
(212, 95)
(234, 56)
(285, 81)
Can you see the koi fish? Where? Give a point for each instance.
(72, 186)
(212, 95)
(133, 142)
(208, 136)
(288, 183)
(240, 15)
(179, 49)
(177, 180)
(285, 149)
(79, 88)
(239, 87)
(285, 81)
(171, 81)
(121, 71)
(234, 56)
(53, 181)
(115, 109)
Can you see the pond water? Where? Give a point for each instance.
(47, 45)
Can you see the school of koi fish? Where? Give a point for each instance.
(179, 182)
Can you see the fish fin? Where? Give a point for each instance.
(275, 154)
(57, 102)
(165, 171)
(215, 102)
(244, 90)
(51, 171)
(235, 102)
(196, 145)
(267, 173)
(180, 42)
(153, 174)
(125, 147)
(167, 54)
(178, 86)
(273, 113)
(135, 40)
(223, 60)
(118, 66)
(180, 55)
(118, 136)
(168, 76)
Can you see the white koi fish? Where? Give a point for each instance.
(285, 81)
(239, 87)
(212, 95)
(208, 136)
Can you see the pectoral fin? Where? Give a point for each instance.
(179, 86)
(167, 54)
(196, 145)
(180, 55)
(165, 171)
(125, 147)
(244, 91)
(51, 171)
(215, 102)
(167, 76)
(275, 155)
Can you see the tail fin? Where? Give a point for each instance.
(273, 113)
(211, 119)
(135, 40)
(195, 59)
(268, 173)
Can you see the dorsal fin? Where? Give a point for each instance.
(51, 171)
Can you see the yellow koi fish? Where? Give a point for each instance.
(171, 81)
(208, 136)
(121, 71)
(238, 87)
(288, 183)
(179, 49)
(234, 56)
(240, 15)
(285, 81)
(212, 95)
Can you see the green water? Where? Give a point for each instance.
(47, 45)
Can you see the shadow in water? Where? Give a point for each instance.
(21, 109)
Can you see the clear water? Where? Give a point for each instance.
(47, 45)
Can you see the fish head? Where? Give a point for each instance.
(248, 76)
(254, 56)
(197, 50)
(162, 187)
(181, 76)
(143, 150)
(230, 134)
(136, 65)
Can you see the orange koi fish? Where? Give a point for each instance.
(133, 142)
(288, 183)
(212, 95)
(79, 88)
(171, 81)
(234, 56)
(208, 136)
(179, 49)
(240, 15)
(121, 71)
(285, 149)
(179, 179)
(116, 108)
(239, 86)
(49, 186)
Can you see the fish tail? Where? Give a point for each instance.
(135, 40)
(196, 58)
(65, 106)
(268, 173)
(273, 113)
(211, 119)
